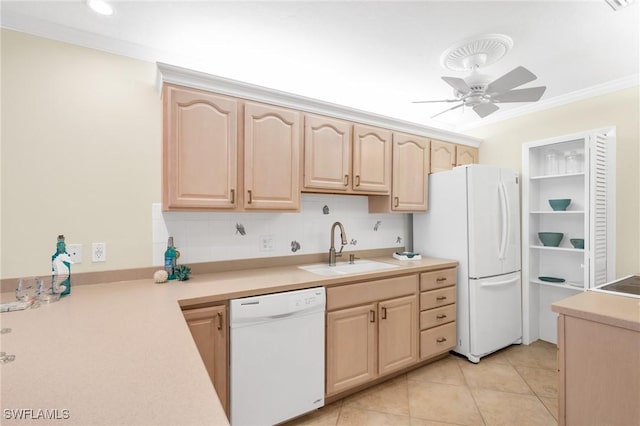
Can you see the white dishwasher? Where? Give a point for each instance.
(277, 356)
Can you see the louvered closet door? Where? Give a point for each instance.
(598, 209)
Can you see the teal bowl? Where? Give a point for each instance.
(560, 204)
(550, 239)
(577, 243)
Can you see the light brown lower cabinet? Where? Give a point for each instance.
(374, 338)
(210, 330)
(599, 373)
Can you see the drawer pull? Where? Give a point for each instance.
(440, 279)
(346, 180)
(384, 313)
(357, 180)
(396, 201)
(372, 316)
(250, 198)
(441, 316)
(219, 321)
(233, 196)
(441, 298)
(441, 339)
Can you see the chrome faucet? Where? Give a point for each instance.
(332, 249)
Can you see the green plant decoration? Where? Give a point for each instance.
(182, 272)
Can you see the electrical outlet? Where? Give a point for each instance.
(98, 252)
(266, 243)
(75, 252)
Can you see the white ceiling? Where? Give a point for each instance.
(374, 56)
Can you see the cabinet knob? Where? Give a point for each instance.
(441, 339)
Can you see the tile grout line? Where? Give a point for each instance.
(535, 393)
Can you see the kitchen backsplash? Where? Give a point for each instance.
(206, 236)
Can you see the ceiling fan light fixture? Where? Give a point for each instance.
(476, 52)
(100, 6)
(619, 4)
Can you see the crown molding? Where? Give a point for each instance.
(199, 80)
(578, 95)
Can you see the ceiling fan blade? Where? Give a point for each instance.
(442, 100)
(514, 78)
(530, 94)
(457, 83)
(485, 109)
(447, 110)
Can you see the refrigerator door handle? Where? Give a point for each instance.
(499, 283)
(504, 211)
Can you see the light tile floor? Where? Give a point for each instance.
(515, 386)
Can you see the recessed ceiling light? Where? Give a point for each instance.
(100, 6)
(619, 4)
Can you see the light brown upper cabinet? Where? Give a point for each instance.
(443, 156)
(327, 153)
(410, 173)
(271, 157)
(341, 157)
(466, 155)
(371, 159)
(200, 150)
(446, 155)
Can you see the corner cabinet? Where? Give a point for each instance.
(200, 149)
(580, 167)
(209, 328)
(271, 157)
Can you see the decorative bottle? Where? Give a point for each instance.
(61, 268)
(170, 256)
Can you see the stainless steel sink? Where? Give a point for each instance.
(346, 268)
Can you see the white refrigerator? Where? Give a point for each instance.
(474, 218)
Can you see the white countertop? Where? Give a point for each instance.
(121, 353)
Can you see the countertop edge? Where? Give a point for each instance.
(617, 311)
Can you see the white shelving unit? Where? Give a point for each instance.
(591, 215)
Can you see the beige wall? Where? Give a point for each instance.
(503, 141)
(81, 147)
(81, 154)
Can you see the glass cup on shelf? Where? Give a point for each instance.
(551, 164)
(574, 161)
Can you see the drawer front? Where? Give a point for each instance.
(438, 316)
(438, 340)
(438, 279)
(348, 295)
(437, 298)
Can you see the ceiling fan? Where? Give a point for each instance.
(477, 91)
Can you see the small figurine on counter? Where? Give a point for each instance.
(61, 267)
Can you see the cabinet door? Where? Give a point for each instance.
(466, 155)
(443, 156)
(410, 172)
(200, 150)
(397, 334)
(208, 327)
(351, 347)
(327, 153)
(271, 157)
(371, 159)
